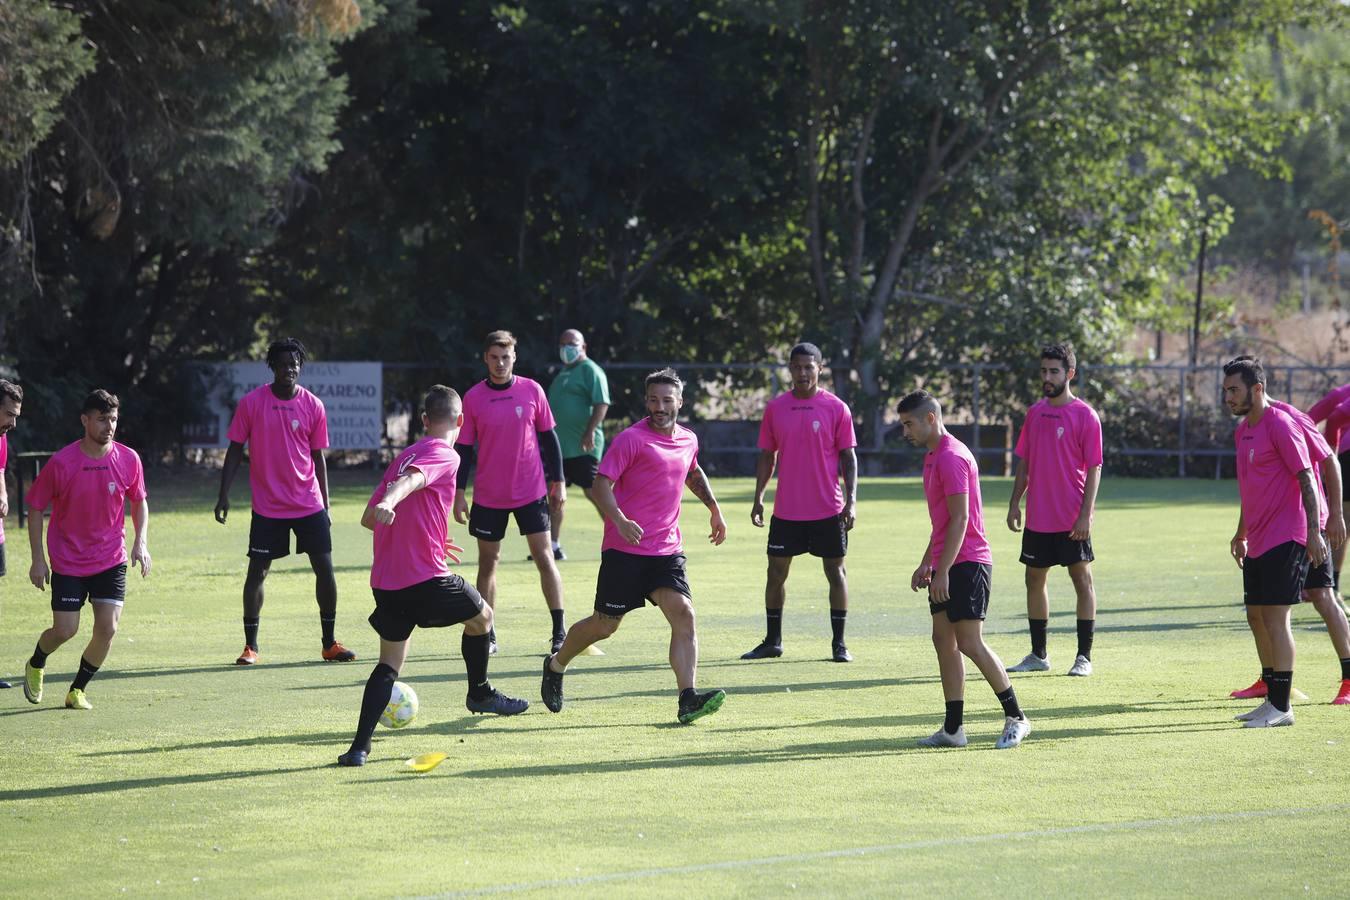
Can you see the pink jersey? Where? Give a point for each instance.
(948, 470)
(1337, 435)
(648, 470)
(808, 436)
(1059, 444)
(503, 423)
(1270, 455)
(412, 550)
(1338, 426)
(1318, 450)
(4, 464)
(282, 436)
(88, 501)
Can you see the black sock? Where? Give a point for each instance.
(688, 694)
(1336, 580)
(1009, 700)
(327, 625)
(837, 617)
(378, 688)
(475, 650)
(558, 628)
(87, 671)
(1085, 627)
(1266, 672)
(251, 632)
(1280, 685)
(955, 712)
(1345, 669)
(39, 660)
(1038, 636)
(773, 635)
(492, 635)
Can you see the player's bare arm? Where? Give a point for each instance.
(598, 413)
(848, 466)
(603, 494)
(1238, 546)
(763, 472)
(1317, 548)
(1082, 527)
(233, 457)
(39, 572)
(924, 573)
(321, 475)
(140, 545)
(1015, 503)
(1331, 480)
(958, 509)
(385, 511)
(697, 482)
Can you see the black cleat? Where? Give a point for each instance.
(353, 758)
(700, 705)
(5, 685)
(765, 650)
(496, 702)
(550, 689)
(841, 653)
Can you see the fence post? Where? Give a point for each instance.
(1181, 442)
(975, 410)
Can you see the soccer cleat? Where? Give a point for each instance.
(558, 555)
(1081, 666)
(338, 653)
(1255, 713)
(32, 683)
(550, 689)
(557, 643)
(700, 705)
(77, 700)
(496, 702)
(248, 657)
(765, 650)
(1343, 695)
(492, 642)
(1271, 718)
(5, 685)
(1031, 663)
(841, 654)
(1258, 689)
(353, 758)
(1014, 730)
(941, 738)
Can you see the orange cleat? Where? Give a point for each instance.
(1258, 689)
(1343, 695)
(248, 657)
(338, 653)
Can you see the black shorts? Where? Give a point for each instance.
(826, 538)
(627, 580)
(70, 591)
(1276, 577)
(488, 524)
(1344, 459)
(270, 538)
(1322, 576)
(1044, 549)
(968, 586)
(434, 603)
(580, 470)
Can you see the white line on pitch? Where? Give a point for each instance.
(1138, 825)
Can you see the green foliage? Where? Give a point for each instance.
(42, 56)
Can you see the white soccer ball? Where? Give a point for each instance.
(402, 707)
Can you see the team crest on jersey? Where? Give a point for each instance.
(1059, 432)
(1251, 455)
(295, 424)
(815, 425)
(520, 411)
(112, 487)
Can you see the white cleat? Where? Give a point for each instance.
(1081, 666)
(1271, 718)
(1257, 713)
(1031, 663)
(1014, 730)
(941, 738)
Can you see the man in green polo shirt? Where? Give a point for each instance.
(579, 398)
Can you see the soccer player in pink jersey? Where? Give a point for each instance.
(413, 586)
(509, 429)
(87, 484)
(286, 430)
(638, 488)
(1334, 409)
(1059, 468)
(957, 569)
(808, 433)
(1278, 534)
(11, 405)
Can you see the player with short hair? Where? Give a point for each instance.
(509, 428)
(957, 568)
(1059, 469)
(286, 430)
(642, 560)
(579, 398)
(1278, 534)
(409, 512)
(808, 433)
(11, 405)
(87, 484)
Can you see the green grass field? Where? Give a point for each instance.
(191, 776)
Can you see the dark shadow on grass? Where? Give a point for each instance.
(133, 784)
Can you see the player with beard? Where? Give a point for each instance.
(1059, 468)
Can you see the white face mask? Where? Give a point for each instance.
(570, 353)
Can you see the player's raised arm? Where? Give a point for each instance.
(384, 511)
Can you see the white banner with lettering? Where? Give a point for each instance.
(352, 394)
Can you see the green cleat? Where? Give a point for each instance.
(32, 683)
(77, 700)
(700, 705)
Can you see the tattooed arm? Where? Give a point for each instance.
(1317, 548)
(698, 485)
